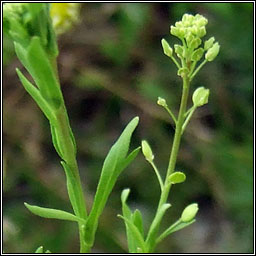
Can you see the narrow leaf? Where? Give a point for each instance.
(130, 158)
(42, 72)
(135, 233)
(138, 221)
(112, 167)
(36, 95)
(55, 141)
(72, 186)
(127, 214)
(53, 213)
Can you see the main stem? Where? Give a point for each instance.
(69, 157)
(151, 239)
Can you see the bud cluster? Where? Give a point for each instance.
(190, 30)
(190, 27)
(22, 21)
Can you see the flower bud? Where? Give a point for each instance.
(183, 72)
(174, 31)
(194, 43)
(179, 50)
(212, 52)
(166, 47)
(200, 96)
(209, 43)
(161, 102)
(189, 212)
(200, 20)
(146, 150)
(197, 54)
(201, 31)
(187, 19)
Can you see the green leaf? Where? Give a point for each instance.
(177, 177)
(53, 213)
(138, 221)
(72, 187)
(55, 140)
(40, 249)
(128, 215)
(130, 157)
(36, 95)
(43, 73)
(114, 164)
(135, 233)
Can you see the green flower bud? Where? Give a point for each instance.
(24, 21)
(194, 43)
(187, 19)
(179, 32)
(194, 30)
(174, 31)
(201, 32)
(177, 177)
(197, 54)
(178, 24)
(189, 37)
(200, 96)
(166, 47)
(183, 72)
(209, 43)
(212, 52)
(200, 20)
(179, 50)
(146, 150)
(161, 102)
(189, 212)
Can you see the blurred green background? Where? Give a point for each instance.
(112, 68)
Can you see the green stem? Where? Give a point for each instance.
(158, 175)
(197, 70)
(69, 156)
(188, 118)
(151, 238)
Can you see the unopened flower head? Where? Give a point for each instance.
(23, 21)
(190, 26)
(64, 15)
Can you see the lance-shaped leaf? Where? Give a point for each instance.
(128, 215)
(42, 72)
(136, 234)
(53, 213)
(114, 164)
(36, 95)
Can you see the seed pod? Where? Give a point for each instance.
(146, 150)
(189, 212)
(212, 52)
(200, 96)
(167, 48)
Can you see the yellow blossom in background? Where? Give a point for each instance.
(64, 16)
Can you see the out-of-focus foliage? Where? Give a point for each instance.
(112, 68)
